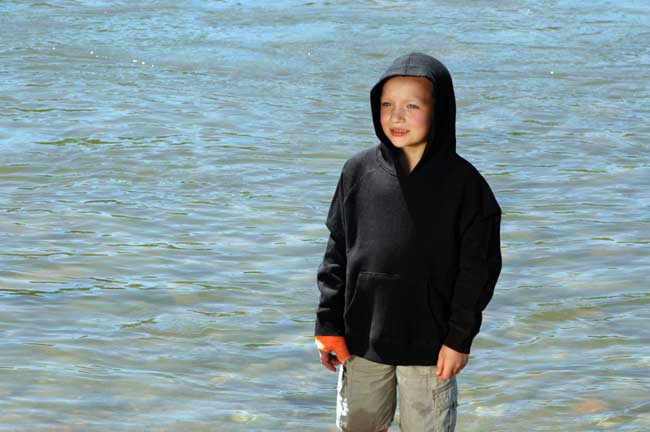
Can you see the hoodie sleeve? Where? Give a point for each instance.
(479, 268)
(332, 270)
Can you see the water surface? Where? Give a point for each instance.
(166, 171)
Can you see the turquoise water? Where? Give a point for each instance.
(166, 172)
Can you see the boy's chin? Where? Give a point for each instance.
(408, 146)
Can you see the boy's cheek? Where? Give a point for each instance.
(422, 119)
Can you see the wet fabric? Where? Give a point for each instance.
(367, 395)
(412, 258)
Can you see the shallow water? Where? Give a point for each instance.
(166, 173)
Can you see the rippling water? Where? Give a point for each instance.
(166, 170)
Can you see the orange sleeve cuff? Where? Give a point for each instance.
(334, 343)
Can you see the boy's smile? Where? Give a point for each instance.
(406, 109)
(398, 132)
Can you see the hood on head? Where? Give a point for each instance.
(441, 142)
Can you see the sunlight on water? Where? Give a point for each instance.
(166, 175)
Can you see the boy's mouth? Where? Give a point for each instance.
(398, 132)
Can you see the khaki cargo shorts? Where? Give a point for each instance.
(367, 397)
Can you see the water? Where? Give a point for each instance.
(166, 171)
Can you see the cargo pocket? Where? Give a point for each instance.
(445, 401)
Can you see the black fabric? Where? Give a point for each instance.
(412, 258)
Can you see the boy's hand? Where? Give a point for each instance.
(333, 351)
(450, 363)
(329, 360)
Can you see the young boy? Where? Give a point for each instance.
(411, 262)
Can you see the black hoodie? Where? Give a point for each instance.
(412, 258)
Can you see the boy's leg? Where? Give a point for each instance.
(425, 403)
(366, 396)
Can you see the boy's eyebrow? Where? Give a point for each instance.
(409, 98)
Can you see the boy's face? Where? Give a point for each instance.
(406, 108)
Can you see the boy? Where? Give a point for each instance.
(411, 262)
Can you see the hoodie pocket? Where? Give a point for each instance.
(391, 309)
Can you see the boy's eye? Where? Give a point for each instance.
(413, 106)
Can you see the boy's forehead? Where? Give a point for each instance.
(408, 85)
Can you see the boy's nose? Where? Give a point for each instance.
(397, 114)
